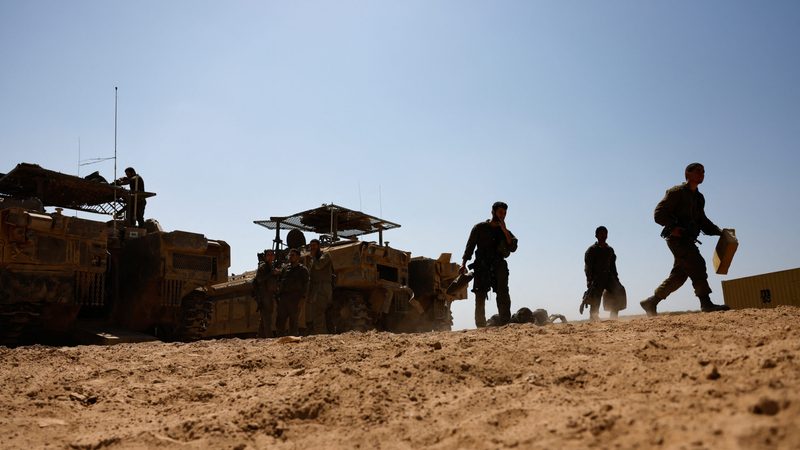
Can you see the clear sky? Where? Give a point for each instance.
(576, 113)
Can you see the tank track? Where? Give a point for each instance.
(359, 318)
(16, 319)
(196, 309)
(444, 323)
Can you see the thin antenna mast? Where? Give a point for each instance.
(115, 136)
(360, 208)
(114, 217)
(380, 200)
(79, 165)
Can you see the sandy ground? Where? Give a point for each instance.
(721, 380)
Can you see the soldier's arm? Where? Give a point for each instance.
(513, 242)
(508, 235)
(665, 210)
(588, 263)
(614, 264)
(470, 248)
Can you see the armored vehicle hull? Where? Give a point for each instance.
(59, 272)
(50, 266)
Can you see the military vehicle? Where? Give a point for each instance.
(375, 286)
(62, 273)
(59, 273)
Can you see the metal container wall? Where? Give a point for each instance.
(763, 291)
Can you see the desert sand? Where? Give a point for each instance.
(685, 381)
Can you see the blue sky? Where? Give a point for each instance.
(576, 113)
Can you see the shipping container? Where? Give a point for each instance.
(763, 291)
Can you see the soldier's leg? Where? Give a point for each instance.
(696, 269)
(317, 311)
(140, 214)
(677, 276)
(501, 289)
(265, 316)
(294, 317)
(283, 315)
(326, 298)
(302, 316)
(595, 296)
(480, 286)
(480, 308)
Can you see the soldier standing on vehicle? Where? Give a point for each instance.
(292, 289)
(265, 286)
(600, 267)
(136, 206)
(494, 244)
(682, 214)
(320, 289)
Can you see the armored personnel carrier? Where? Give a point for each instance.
(59, 272)
(375, 286)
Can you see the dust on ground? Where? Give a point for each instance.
(720, 380)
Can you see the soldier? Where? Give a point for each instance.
(265, 286)
(292, 288)
(494, 244)
(682, 214)
(600, 266)
(135, 211)
(320, 289)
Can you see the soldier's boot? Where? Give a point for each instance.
(649, 305)
(614, 315)
(707, 306)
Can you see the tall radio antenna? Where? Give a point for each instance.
(115, 137)
(114, 217)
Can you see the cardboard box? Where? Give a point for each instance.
(726, 248)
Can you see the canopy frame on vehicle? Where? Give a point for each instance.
(329, 219)
(56, 189)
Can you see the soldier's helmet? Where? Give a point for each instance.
(494, 321)
(524, 315)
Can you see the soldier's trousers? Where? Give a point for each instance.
(266, 307)
(288, 309)
(689, 263)
(319, 299)
(499, 277)
(136, 214)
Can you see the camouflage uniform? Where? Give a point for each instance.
(292, 288)
(265, 285)
(684, 208)
(600, 266)
(491, 269)
(135, 214)
(320, 292)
